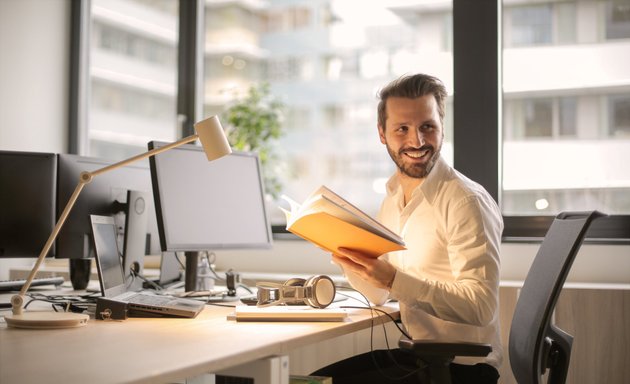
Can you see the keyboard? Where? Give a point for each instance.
(16, 284)
(140, 298)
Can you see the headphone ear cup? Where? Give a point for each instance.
(323, 290)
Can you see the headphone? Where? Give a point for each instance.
(317, 291)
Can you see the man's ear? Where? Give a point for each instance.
(381, 134)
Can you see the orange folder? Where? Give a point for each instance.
(330, 222)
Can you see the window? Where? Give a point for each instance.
(564, 91)
(620, 116)
(617, 19)
(536, 118)
(531, 25)
(132, 77)
(568, 117)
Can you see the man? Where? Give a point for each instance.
(446, 281)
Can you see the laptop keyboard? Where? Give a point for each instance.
(149, 299)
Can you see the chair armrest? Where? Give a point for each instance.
(444, 349)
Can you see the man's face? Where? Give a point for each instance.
(413, 134)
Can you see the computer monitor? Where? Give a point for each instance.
(206, 206)
(27, 202)
(105, 195)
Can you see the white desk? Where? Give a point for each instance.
(156, 350)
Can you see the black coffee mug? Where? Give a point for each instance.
(80, 270)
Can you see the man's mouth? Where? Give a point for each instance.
(417, 154)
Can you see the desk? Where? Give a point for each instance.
(140, 350)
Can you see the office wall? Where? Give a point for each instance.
(34, 57)
(34, 47)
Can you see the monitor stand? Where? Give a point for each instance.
(134, 248)
(191, 271)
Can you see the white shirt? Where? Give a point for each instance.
(447, 280)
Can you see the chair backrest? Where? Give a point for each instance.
(535, 344)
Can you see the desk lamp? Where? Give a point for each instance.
(215, 144)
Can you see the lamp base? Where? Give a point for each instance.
(46, 320)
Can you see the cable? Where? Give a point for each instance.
(402, 331)
(179, 261)
(212, 257)
(245, 287)
(135, 274)
(65, 305)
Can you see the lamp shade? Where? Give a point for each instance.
(212, 138)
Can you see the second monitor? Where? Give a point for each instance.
(206, 206)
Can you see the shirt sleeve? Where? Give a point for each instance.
(472, 233)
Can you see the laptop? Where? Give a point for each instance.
(112, 279)
(169, 270)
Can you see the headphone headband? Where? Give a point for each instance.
(317, 291)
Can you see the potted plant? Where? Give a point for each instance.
(254, 123)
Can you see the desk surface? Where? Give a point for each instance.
(157, 350)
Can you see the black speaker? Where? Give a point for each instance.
(317, 291)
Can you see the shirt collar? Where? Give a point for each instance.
(431, 185)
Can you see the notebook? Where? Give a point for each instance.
(287, 313)
(112, 279)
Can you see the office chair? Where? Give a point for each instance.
(535, 344)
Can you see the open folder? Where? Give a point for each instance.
(330, 222)
(287, 313)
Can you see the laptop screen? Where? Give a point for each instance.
(108, 261)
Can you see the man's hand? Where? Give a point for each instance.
(377, 272)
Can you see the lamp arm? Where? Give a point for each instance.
(17, 301)
(150, 153)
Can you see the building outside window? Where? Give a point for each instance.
(132, 76)
(566, 72)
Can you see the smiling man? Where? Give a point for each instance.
(447, 279)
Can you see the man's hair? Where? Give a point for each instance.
(412, 86)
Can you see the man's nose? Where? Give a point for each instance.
(417, 138)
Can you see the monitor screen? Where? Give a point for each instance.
(27, 202)
(203, 206)
(98, 198)
(107, 255)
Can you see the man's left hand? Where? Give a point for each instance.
(375, 271)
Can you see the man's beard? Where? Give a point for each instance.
(415, 170)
